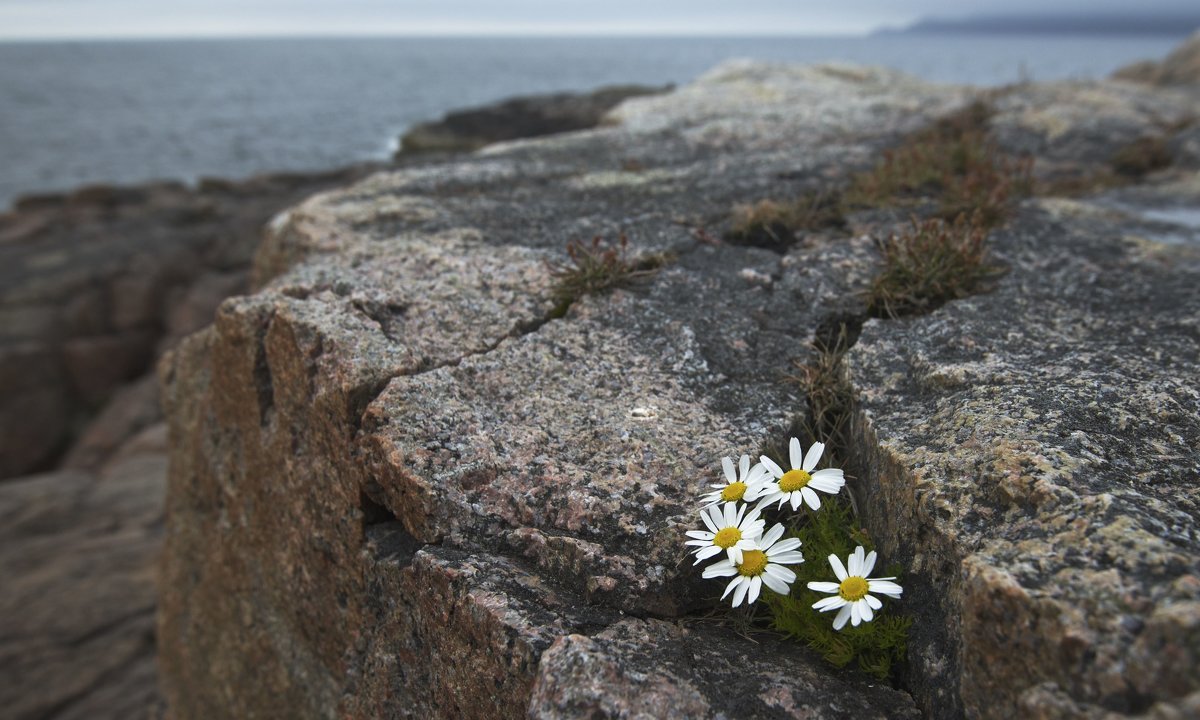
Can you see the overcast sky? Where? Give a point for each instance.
(201, 18)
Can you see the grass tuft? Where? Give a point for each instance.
(597, 266)
(955, 163)
(1141, 157)
(773, 224)
(931, 263)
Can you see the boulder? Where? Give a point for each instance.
(408, 478)
(519, 117)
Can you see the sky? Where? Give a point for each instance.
(38, 19)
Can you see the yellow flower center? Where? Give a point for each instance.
(733, 491)
(853, 588)
(793, 480)
(727, 538)
(753, 563)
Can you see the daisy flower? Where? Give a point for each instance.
(761, 566)
(731, 529)
(799, 482)
(746, 484)
(852, 601)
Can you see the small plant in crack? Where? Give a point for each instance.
(756, 562)
(774, 224)
(931, 263)
(597, 266)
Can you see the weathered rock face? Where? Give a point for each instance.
(520, 117)
(77, 555)
(95, 284)
(404, 484)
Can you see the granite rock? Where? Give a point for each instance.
(406, 481)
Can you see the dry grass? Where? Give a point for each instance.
(597, 266)
(953, 163)
(931, 263)
(1141, 157)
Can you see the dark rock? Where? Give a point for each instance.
(520, 117)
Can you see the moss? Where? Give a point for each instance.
(597, 266)
(773, 224)
(878, 646)
(931, 263)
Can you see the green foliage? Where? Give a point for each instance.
(877, 646)
(597, 266)
(933, 262)
(773, 224)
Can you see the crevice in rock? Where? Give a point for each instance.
(264, 388)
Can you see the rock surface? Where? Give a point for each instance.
(94, 284)
(403, 483)
(519, 117)
(77, 554)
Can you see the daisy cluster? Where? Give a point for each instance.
(754, 556)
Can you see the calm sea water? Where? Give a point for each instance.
(126, 112)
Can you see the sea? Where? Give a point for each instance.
(75, 113)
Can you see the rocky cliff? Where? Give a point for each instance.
(408, 479)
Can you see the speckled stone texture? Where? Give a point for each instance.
(402, 485)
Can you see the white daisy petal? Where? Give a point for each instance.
(855, 615)
(873, 602)
(786, 544)
(794, 454)
(727, 466)
(773, 535)
(869, 564)
(732, 584)
(720, 569)
(735, 554)
(810, 497)
(700, 535)
(864, 609)
(755, 589)
(830, 603)
(885, 587)
(731, 514)
(838, 568)
(796, 496)
(825, 587)
(740, 593)
(771, 466)
(780, 572)
(843, 615)
(744, 466)
(813, 456)
(705, 553)
(776, 584)
(787, 557)
(827, 480)
(854, 564)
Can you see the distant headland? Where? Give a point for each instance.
(1175, 25)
